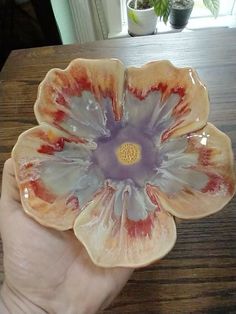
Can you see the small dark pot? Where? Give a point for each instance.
(179, 17)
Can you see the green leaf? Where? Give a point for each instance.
(162, 9)
(213, 6)
(133, 16)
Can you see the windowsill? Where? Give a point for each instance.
(194, 24)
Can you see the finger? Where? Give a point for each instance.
(120, 279)
(10, 191)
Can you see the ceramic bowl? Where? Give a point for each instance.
(118, 152)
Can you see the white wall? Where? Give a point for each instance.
(64, 21)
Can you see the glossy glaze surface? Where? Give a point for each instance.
(118, 152)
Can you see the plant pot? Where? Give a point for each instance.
(141, 22)
(179, 16)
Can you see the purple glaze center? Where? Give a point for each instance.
(105, 157)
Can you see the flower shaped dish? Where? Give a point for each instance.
(118, 152)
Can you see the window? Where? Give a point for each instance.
(199, 10)
(200, 17)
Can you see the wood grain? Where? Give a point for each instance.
(199, 275)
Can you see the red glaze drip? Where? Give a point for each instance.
(151, 192)
(44, 136)
(179, 90)
(217, 182)
(184, 110)
(46, 149)
(83, 83)
(109, 93)
(74, 82)
(60, 99)
(73, 202)
(50, 149)
(142, 227)
(58, 116)
(136, 92)
(161, 87)
(28, 165)
(25, 172)
(181, 109)
(205, 155)
(214, 184)
(165, 135)
(139, 93)
(40, 191)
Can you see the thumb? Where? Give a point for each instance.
(10, 191)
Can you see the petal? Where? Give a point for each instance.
(55, 175)
(84, 99)
(119, 229)
(203, 182)
(165, 100)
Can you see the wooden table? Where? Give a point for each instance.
(199, 275)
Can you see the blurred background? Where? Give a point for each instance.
(35, 23)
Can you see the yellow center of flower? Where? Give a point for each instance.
(128, 153)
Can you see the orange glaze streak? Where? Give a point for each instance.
(109, 91)
(47, 110)
(72, 90)
(41, 134)
(68, 87)
(83, 83)
(80, 81)
(45, 137)
(47, 91)
(67, 83)
(106, 88)
(61, 79)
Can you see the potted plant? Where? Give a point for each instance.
(142, 15)
(180, 11)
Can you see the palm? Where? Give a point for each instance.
(49, 263)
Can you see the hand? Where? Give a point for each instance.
(47, 271)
